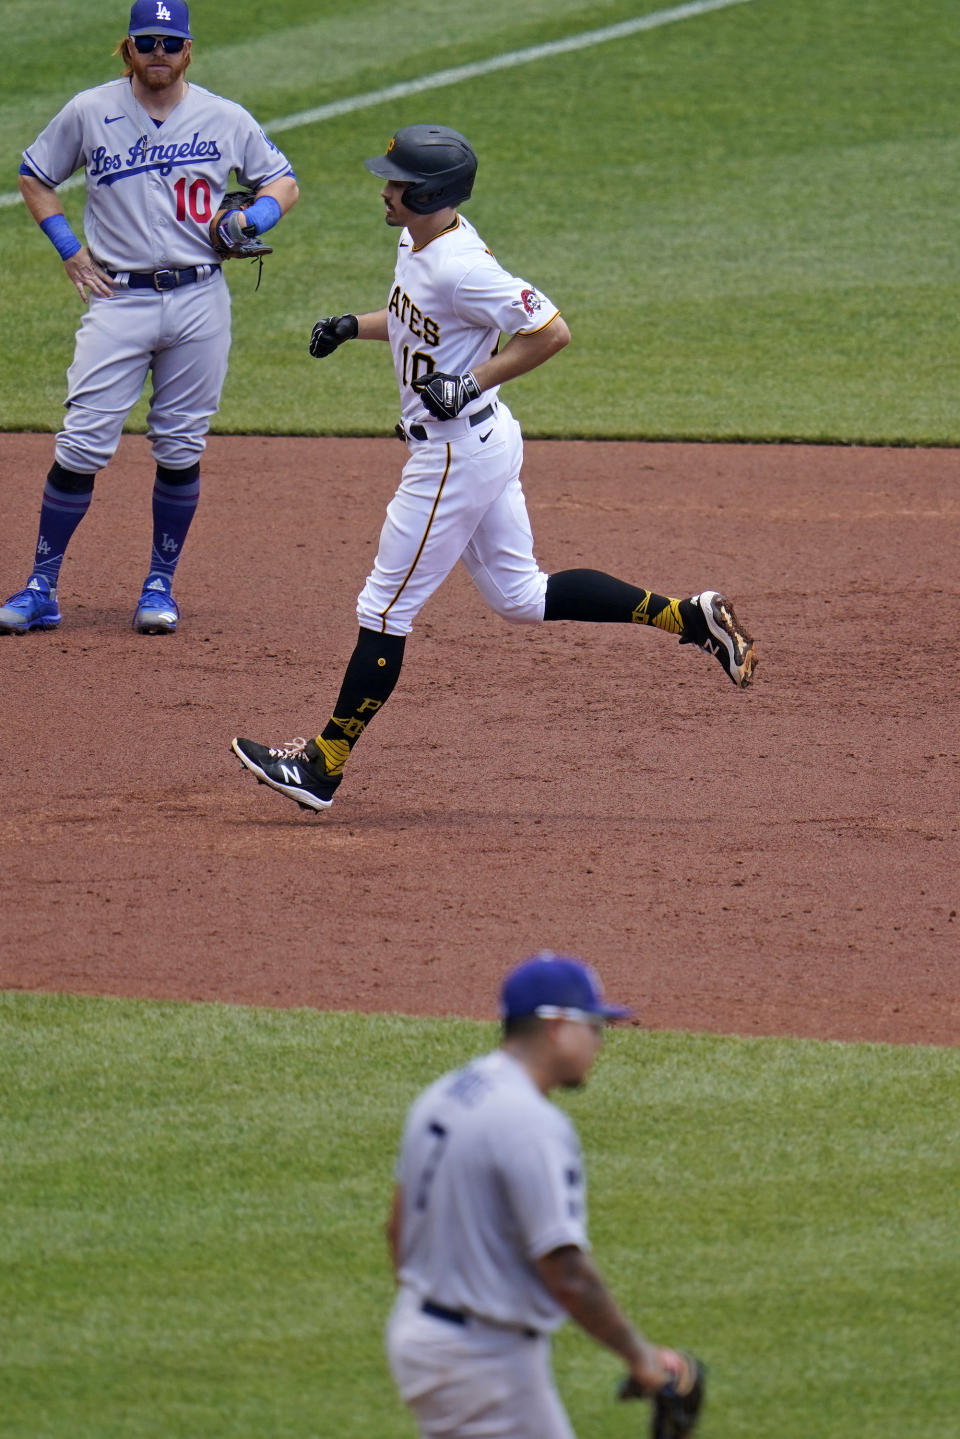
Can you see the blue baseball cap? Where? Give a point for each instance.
(555, 986)
(160, 17)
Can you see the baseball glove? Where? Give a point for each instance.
(677, 1405)
(229, 236)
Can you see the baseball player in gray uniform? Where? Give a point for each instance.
(158, 153)
(460, 497)
(488, 1226)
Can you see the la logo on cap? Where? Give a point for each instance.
(160, 17)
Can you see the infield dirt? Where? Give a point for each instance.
(783, 860)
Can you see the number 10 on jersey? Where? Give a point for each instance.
(416, 364)
(194, 201)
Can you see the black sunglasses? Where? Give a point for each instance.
(146, 44)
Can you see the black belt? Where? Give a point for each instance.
(165, 279)
(458, 1316)
(417, 432)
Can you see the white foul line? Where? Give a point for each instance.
(439, 78)
(583, 41)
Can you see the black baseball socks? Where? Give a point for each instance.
(372, 671)
(601, 599)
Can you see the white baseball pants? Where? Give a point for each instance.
(460, 498)
(472, 1382)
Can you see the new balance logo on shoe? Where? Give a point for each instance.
(726, 639)
(288, 770)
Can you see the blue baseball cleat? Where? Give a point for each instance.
(157, 612)
(33, 608)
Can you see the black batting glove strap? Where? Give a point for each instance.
(445, 395)
(331, 332)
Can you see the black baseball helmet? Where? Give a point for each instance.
(439, 161)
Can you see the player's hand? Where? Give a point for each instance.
(445, 395)
(234, 228)
(330, 333)
(652, 1367)
(84, 272)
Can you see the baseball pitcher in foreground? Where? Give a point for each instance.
(460, 496)
(488, 1232)
(157, 153)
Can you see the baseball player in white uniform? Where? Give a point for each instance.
(158, 153)
(460, 497)
(488, 1226)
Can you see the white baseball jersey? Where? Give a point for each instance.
(449, 304)
(492, 1178)
(152, 190)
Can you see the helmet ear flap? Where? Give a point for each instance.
(423, 197)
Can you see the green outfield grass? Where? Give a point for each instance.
(747, 217)
(193, 1196)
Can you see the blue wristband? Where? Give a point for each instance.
(60, 235)
(264, 213)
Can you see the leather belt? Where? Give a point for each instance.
(459, 1316)
(163, 280)
(420, 432)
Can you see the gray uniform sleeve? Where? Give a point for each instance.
(58, 150)
(261, 161)
(541, 1171)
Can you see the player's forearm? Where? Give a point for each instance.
(522, 353)
(285, 191)
(372, 326)
(42, 202)
(573, 1280)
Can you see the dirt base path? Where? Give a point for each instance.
(779, 861)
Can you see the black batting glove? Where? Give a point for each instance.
(445, 395)
(328, 334)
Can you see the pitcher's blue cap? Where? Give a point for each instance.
(160, 17)
(555, 982)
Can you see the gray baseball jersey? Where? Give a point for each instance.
(492, 1178)
(152, 190)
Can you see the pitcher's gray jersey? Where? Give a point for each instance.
(152, 190)
(492, 1178)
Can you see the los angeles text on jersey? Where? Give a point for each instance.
(140, 157)
(401, 304)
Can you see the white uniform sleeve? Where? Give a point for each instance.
(58, 150)
(488, 295)
(542, 1176)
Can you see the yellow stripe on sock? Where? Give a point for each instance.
(666, 619)
(335, 753)
(669, 619)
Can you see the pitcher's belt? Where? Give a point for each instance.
(445, 427)
(459, 1316)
